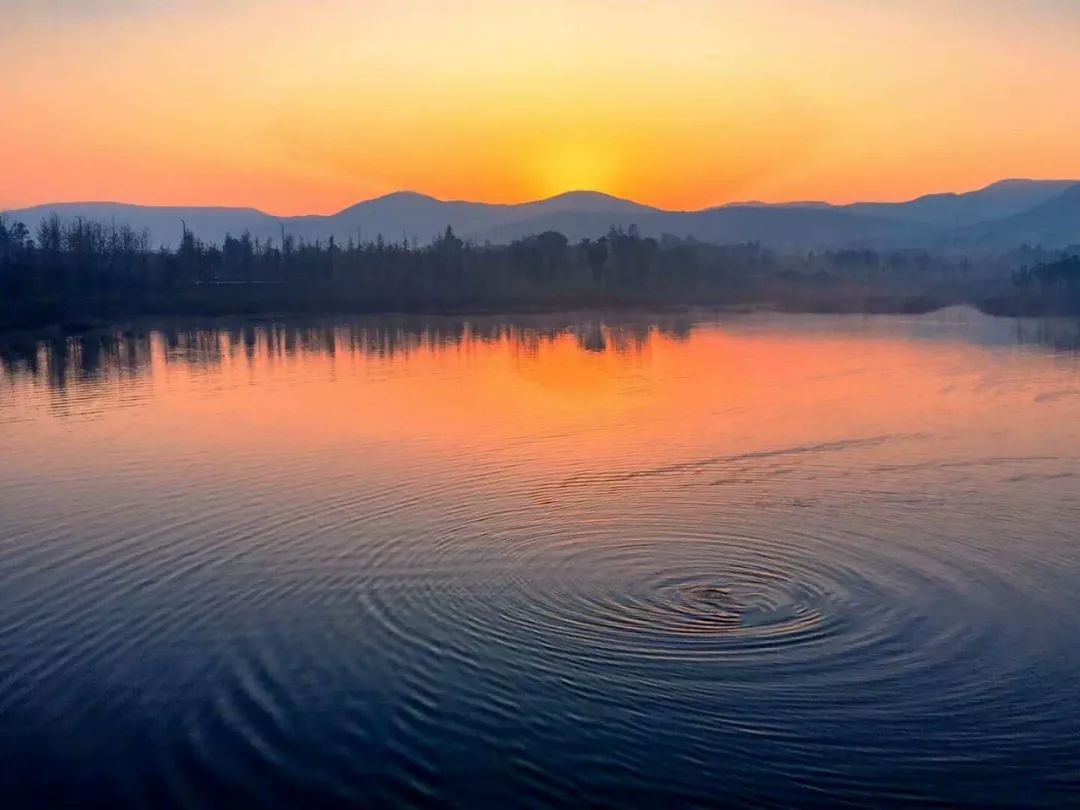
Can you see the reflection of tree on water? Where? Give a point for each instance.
(1059, 334)
(591, 339)
(63, 361)
(86, 361)
(94, 359)
(622, 338)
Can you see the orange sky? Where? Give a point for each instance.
(298, 107)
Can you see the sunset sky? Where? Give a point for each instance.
(308, 107)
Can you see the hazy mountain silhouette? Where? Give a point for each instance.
(776, 226)
(423, 218)
(1002, 199)
(1053, 223)
(1024, 210)
(163, 222)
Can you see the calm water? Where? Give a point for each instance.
(552, 562)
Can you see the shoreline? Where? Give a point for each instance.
(89, 324)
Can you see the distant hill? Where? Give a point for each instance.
(395, 216)
(163, 222)
(1002, 199)
(776, 226)
(1024, 210)
(423, 218)
(1054, 223)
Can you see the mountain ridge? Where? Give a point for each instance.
(990, 215)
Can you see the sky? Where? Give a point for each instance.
(309, 106)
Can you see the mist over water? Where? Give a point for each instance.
(553, 561)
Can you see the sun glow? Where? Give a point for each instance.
(308, 108)
(575, 167)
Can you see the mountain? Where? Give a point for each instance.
(776, 226)
(1005, 210)
(165, 223)
(1054, 223)
(1002, 199)
(394, 216)
(424, 218)
(584, 214)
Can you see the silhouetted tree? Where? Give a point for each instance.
(81, 268)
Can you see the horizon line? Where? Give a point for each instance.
(749, 203)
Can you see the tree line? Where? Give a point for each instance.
(80, 268)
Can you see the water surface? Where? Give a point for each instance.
(553, 561)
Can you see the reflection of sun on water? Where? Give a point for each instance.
(592, 365)
(658, 395)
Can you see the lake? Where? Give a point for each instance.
(582, 560)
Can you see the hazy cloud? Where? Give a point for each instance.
(82, 11)
(78, 9)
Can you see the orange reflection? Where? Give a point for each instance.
(625, 395)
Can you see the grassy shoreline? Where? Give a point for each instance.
(71, 317)
(80, 316)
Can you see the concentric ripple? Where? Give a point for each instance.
(671, 597)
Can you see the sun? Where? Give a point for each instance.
(574, 167)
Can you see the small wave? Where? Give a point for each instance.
(694, 465)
